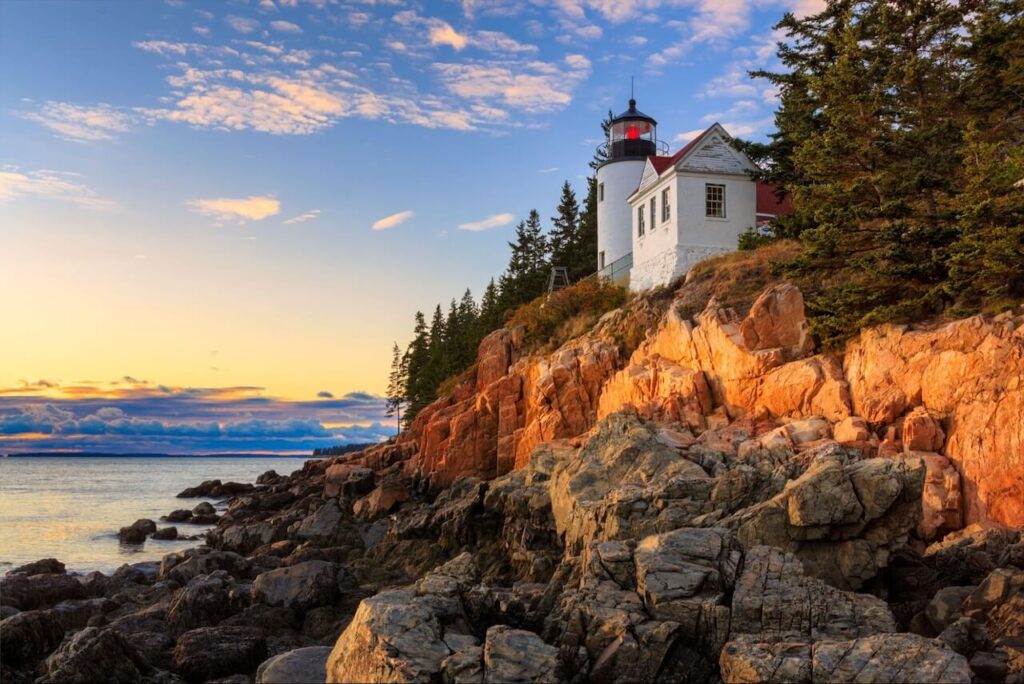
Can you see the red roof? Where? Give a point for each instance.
(769, 204)
(660, 164)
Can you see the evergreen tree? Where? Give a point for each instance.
(491, 312)
(528, 266)
(585, 256)
(417, 358)
(397, 382)
(564, 235)
(438, 363)
(601, 154)
(469, 337)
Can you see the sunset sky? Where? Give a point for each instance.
(215, 218)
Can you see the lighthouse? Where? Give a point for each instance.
(632, 138)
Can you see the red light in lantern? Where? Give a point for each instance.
(632, 133)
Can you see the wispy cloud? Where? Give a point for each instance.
(285, 26)
(550, 169)
(302, 218)
(243, 25)
(236, 209)
(494, 221)
(81, 123)
(50, 185)
(392, 220)
(443, 34)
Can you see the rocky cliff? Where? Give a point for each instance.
(714, 502)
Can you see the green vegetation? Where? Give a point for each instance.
(899, 138)
(446, 347)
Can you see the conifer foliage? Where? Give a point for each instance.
(899, 137)
(447, 346)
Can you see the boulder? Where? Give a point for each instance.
(27, 592)
(519, 656)
(179, 515)
(204, 508)
(215, 489)
(46, 566)
(904, 658)
(136, 532)
(29, 635)
(95, 655)
(301, 666)
(941, 507)
(776, 319)
(165, 533)
(944, 608)
(852, 430)
(326, 526)
(381, 501)
(349, 479)
(182, 566)
(921, 432)
(301, 586)
(210, 652)
(206, 600)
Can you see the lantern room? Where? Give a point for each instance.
(632, 135)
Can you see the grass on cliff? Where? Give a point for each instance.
(552, 320)
(734, 279)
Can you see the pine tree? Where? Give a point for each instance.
(397, 383)
(564, 236)
(438, 363)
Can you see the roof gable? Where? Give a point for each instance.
(711, 152)
(651, 172)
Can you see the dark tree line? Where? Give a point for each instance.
(446, 346)
(900, 134)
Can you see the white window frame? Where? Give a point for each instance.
(710, 202)
(640, 221)
(666, 205)
(600, 192)
(654, 211)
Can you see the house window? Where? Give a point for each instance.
(640, 221)
(653, 213)
(600, 260)
(666, 209)
(714, 200)
(600, 192)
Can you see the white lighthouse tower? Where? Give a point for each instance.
(632, 138)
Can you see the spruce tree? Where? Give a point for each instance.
(397, 383)
(491, 311)
(585, 257)
(528, 267)
(417, 392)
(564, 236)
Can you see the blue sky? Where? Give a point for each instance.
(261, 194)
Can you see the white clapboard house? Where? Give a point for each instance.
(659, 214)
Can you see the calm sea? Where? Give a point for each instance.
(71, 508)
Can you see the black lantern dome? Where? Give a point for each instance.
(632, 135)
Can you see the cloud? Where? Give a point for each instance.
(302, 218)
(392, 220)
(116, 418)
(324, 394)
(236, 210)
(550, 169)
(536, 86)
(486, 224)
(52, 185)
(243, 25)
(81, 123)
(443, 34)
(285, 26)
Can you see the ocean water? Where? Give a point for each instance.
(72, 508)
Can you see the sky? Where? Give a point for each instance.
(216, 218)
